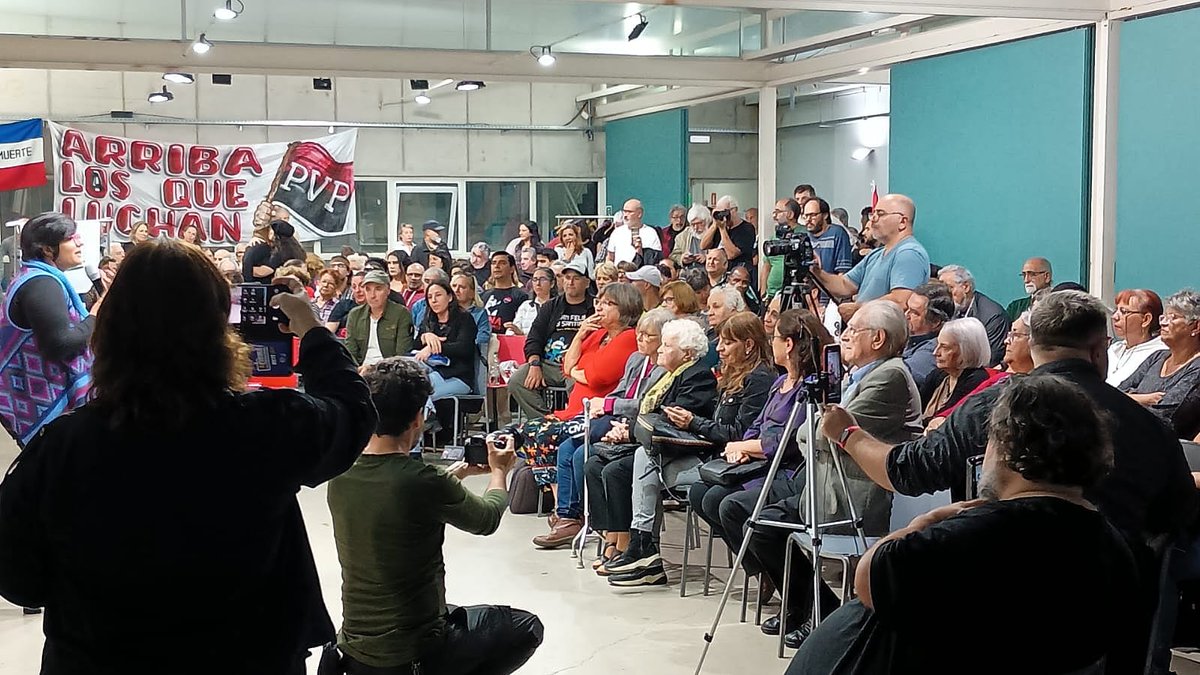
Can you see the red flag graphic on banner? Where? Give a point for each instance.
(874, 195)
(314, 181)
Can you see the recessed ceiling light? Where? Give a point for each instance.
(422, 98)
(160, 96)
(544, 55)
(202, 44)
(179, 78)
(469, 85)
(226, 12)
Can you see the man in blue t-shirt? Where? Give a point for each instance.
(889, 272)
(831, 243)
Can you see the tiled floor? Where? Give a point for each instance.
(589, 627)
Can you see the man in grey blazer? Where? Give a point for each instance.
(884, 398)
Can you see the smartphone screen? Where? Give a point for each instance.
(832, 366)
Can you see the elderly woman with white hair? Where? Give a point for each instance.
(687, 252)
(686, 383)
(1168, 381)
(962, 352)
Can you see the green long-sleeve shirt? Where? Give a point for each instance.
(389, 521)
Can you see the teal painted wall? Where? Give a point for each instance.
(646, 158)
(1158, 144)
(992, 144)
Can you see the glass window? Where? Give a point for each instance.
(417, 204)
(557, 198)
(26, 202)
(370, 213)
(495, 210)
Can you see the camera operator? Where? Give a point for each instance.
(770, 273)
(882, 395)
(389, 520)
(890, 272)
(166, 505)
(732, 234)
(1047, 445)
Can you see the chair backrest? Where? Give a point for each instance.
(512, 348)
(905, 508)
(1191, 451)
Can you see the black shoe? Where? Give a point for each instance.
(794, 639)
(30, 611)
(642, 553)
(653, 575)
(432, 425)
(771, 626)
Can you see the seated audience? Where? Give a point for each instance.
(881, 389)
(962, 352)
(623, 270)
(1136, 328)
(446, 331)
(1017, 356)
(548, 338)
(771, 315)
(389, 518)
(723, 303)
(595, 361)
(397, 267)
(969, 302)
(668, 269)
(326, 297)
(606, 273)
(379, 328)
(1168, 381)
(503, 298)
(1047, 447)
(747, 371)
(526, 264)
(468, 299)
(481, 262)
(678, 297)
(686, 383)
(640, 373)
(544, 289)
(698, 280)
(739, 278)
(547, 256)
(174, 489)
(431, 275)
(1037, 276)
(716, 266)
(647, 281)
(356, 296)
(927, 309)
(414, 291)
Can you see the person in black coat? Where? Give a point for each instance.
(448, 332)
(158, 524)
(972, 303)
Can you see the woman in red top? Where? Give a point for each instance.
(595, 361)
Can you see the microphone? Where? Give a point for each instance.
(97, 279)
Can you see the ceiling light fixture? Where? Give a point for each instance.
(860, 154)
(179, 78)
(639, 28)
(160, 96)
(864, 70)
(422, 98)
(544, 55)
(469, 85)
(202, 44)
(226, 12)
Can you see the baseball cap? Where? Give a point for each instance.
(648, 274)
(577, 265)
(376, 277)
(433, 225)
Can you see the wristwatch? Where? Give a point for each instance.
(845, 435)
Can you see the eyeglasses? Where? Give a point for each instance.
(1168, 318)
(647, 336)
(1121, 311)
(541, 280)
(1025, 274)
(605, 303)
(810, 216)
(854, 330)
(879, 214)
(1014, 335)
(668, 298)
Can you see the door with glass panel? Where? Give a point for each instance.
(416, 204)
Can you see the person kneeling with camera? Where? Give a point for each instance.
(389, 517)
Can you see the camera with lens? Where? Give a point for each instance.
(796, 249)
(721, 215)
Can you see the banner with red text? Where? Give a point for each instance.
(214, 187)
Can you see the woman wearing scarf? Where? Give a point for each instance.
(45, 361)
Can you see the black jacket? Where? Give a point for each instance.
(735, 412)
(547, 317)
(185, 551)
(968, 380)
(695, 389)
(421, 253)
(1149, 491)
(995, 320)
(459, 346)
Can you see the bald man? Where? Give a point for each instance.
(634, 241)
(1036, 274)
(889, 272)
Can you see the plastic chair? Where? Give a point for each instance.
(847, 549)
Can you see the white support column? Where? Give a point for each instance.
(767, 123)
(1102, 223)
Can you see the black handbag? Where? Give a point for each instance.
(720, 472)
(661, 438)
(611, 452)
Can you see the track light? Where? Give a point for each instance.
(860, 154)
(422, 98)
(226, 12)
(202, 44)
(160, 96)
(469, 85)
(544, 55)
(179, 78)
(638, 29)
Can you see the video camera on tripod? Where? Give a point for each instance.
(796, 249)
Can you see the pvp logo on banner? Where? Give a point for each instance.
(22, 159)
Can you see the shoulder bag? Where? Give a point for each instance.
(661, 438)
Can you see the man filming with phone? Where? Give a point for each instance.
(389, 518)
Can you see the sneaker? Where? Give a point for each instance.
(560, 534)
(642, 553)
(652, 575)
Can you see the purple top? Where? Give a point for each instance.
(769, 424)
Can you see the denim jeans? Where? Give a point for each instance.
(570, 479)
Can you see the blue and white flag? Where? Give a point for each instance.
(22, 163)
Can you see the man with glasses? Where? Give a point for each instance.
(414, 290)
(770, 274)
(732, 234)
(888, 273)
(831, 245)
(634, 241)
(926, 310)
(1036, 274)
